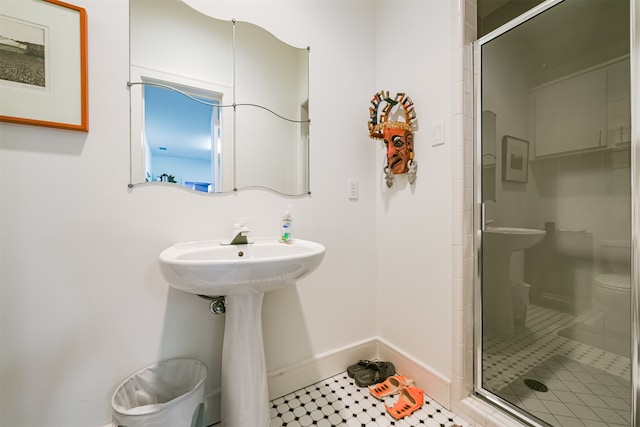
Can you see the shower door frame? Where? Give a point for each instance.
(479, 215)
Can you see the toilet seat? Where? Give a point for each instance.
(613, 282)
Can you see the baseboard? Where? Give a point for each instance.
(212, 409)
(434, 384)
(312, 370)
(317, 368)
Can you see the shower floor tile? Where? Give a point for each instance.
(587, 386)
(596, 401)
(337, 401)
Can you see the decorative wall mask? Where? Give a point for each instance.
(397, 135)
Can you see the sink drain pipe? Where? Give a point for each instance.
(218, 304)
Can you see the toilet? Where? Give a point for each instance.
(611, 291)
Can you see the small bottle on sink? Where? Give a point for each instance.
(286, 226)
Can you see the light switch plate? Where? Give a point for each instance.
(438, 133)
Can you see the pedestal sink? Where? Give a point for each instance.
(242, 273)
(498, 243)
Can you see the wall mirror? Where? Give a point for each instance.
(216, 106)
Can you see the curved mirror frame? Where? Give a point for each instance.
(248, 90)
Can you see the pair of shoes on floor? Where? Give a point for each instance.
(410, 400)
(368, 372)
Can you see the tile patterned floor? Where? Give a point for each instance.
(337, 401)
(588, 386)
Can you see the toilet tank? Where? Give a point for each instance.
(574, 243)
(616, 255)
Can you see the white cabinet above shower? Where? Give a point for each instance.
(569, 115)
(583, 112)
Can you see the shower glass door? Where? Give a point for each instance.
(553, 165)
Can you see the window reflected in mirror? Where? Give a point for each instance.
(182, 136)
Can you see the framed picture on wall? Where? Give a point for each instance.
(43, 64)
(515, 159)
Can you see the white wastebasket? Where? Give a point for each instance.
(167, 394)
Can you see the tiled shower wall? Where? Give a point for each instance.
(462, 94)
(464, 27)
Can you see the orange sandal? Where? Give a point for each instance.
(410, 400)
(390, 386)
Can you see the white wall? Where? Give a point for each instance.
(82, 301)
(414, 222)
(506, 93)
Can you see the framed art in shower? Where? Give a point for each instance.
(515, 159)
(43, 64)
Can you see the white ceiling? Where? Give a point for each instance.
(485, 7)
(571, 36)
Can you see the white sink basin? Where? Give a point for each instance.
(213, 268)
(513, 239)
(241, 273)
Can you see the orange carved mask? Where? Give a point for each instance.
(397, 135)
(399, 143)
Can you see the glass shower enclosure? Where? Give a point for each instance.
(553, 335)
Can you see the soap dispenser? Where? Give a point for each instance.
(286, 226)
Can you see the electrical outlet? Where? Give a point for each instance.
(353, 189)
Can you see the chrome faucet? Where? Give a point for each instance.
(240, 237)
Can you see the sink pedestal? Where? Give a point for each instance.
(498, 243)
(497, 309)
(242, 273)
(244, 396)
